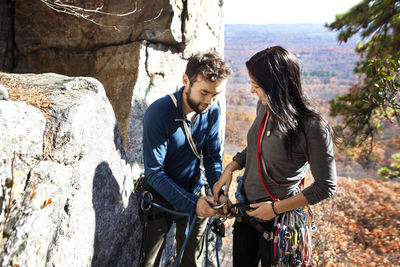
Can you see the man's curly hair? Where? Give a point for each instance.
(209, 65)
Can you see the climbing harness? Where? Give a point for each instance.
(238, 211)
(291, 234)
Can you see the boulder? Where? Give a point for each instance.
(68, 178)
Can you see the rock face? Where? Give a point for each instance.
(66, 197)
(145, 50)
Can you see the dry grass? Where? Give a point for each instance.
(22, 88)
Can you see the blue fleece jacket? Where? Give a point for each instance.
(168, 159)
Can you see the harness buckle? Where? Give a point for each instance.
(268, 235)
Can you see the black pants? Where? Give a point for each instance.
(249, 247)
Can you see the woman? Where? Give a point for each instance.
(291, 137)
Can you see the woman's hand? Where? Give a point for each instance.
(224, 180)
(262, 210)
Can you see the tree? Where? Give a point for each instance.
(376, 98)
(393, 171)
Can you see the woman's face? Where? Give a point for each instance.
(256, 89)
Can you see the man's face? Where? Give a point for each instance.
(201, 94)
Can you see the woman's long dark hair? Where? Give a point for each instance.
(277, 72)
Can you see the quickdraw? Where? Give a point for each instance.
(292, 242)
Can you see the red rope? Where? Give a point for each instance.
(258, 157)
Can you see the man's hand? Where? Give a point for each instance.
(203, 208)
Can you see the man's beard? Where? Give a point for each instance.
(196, 106)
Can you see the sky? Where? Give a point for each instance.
(284, 11)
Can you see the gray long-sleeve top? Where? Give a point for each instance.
(283, 170)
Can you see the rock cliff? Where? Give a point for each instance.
(66, 181)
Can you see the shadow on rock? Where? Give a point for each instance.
(117, 232)
(119, 143)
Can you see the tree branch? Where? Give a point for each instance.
(87, 14)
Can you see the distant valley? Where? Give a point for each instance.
(327, 66)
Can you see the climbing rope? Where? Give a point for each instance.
(189, 216)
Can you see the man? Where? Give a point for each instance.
(172, 169)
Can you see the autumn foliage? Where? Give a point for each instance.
(359, 226)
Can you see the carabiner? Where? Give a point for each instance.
(146, 206)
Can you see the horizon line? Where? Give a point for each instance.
(273, 23)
